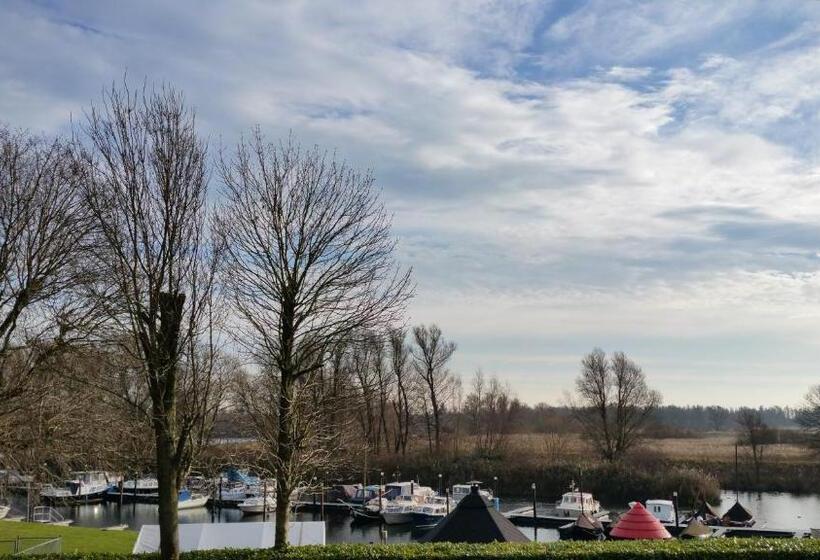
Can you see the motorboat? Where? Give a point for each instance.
(4, 511)
(399, 510)
(187, 500)
(257, 504)
(574, 503)
(662, 510)
(432, 511)
(461, 491)
(84, 487)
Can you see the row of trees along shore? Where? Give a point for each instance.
(140, 311)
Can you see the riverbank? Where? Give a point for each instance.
(74, 539)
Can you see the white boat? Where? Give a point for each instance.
(4, 511)
(188, 500)
(399, 510)
(146, 485)
(460, 491)
(432, 510)
(257, 504)
(574, 503)
(662, 510)
(83, 487)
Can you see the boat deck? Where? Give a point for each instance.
(546, 517)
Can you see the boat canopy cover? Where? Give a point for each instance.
(212, 536)
(474, 520)
(707, 509)
(696, 530)
(588, 522)
(738, 513)
(638, 523)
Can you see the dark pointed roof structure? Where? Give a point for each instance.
(474, 520)
(707, 509)
(637, 524)
(738, 514)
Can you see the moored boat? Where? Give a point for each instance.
(399, 511)
(575, 503)
(84, 487)
(432, 511)
(187, 500)
(257, 504)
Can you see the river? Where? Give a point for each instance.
(774, 510)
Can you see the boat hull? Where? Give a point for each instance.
(397, 518)
(197, 502)
(426, 519)
(72, 499)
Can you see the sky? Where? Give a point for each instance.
(634, 176)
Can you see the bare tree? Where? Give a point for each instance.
(492, 410)
(431, 353)
(399, 357)
(754, 433)
(43, 229)
(310, 265)
(145, 178)
(808, 417)
(615, 403)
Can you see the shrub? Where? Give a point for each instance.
(715, 549)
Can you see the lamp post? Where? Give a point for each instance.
(495, 486)
(439, 485)
(381, 484)
(675, 499)
(534, 514)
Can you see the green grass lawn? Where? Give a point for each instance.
(75, 539)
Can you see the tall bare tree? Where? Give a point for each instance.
(399, 367)
(145, 179)
(43, 231)
(431, 353)
(753, 432)
(310, 265)
(615, 403)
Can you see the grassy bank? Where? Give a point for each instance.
(75, 539)
(718, 549)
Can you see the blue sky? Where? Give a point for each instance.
(636, 176)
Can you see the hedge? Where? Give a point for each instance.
(714, 549)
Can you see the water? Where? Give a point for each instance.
(774, 510)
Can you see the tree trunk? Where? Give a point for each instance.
(285, 452)
(168, 496)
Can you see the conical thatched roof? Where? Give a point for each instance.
(474, 520)
(707, 509)
(638, 523)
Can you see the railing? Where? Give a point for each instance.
(22, 546)
(46, 514)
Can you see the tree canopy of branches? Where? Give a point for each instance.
(809, 416)
(43, 229)
(431, 353)
(145, 181)
(491, 409)
(310, 264)
(754, 433)
(615, 403)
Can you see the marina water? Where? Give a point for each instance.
(771, 509)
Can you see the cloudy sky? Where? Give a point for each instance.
(564, 175)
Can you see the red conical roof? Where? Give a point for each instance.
(638, 523)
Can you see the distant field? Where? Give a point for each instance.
(75, 539)
(717, 446)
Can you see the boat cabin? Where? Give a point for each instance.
(393, 490)
(663, 510)
(460, 491)
(574, 503)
